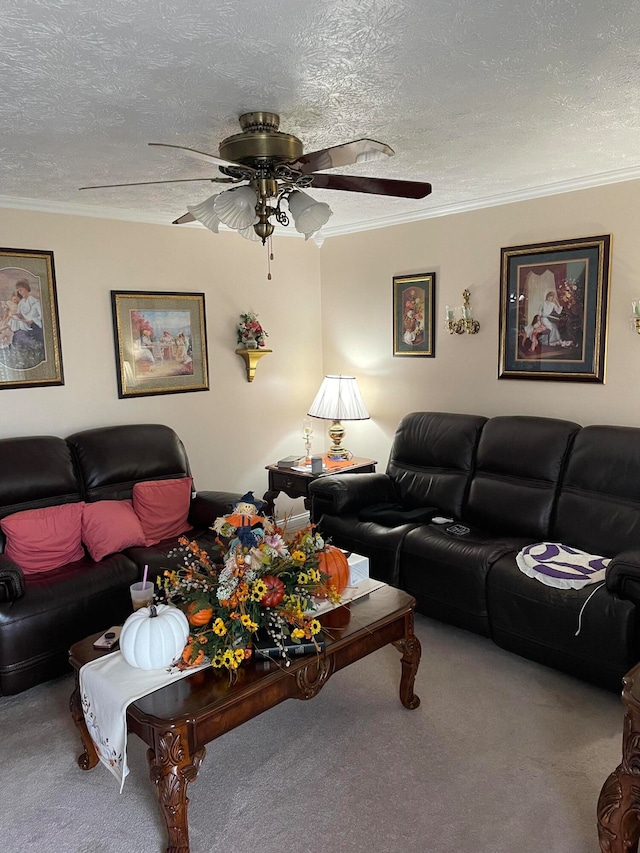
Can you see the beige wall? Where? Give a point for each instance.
(232, 431)
(464, 251)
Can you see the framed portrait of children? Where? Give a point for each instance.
(413, 315)
(30, 353)
(160, 341)
(553, 310)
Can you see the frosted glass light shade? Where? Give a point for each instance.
(236, 208)
(339, 399)
(308, 215)
(250, 234)
(205, 213)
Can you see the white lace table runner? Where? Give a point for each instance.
(108, 685)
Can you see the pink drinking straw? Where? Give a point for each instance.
(144, 577)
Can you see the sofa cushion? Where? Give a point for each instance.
(432, 458)
(110, 526)
(163, 507)
(518, 466)
(599, 502)
(447, 574)
(540, 622)
(40, 540)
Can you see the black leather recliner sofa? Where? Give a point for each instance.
(42, 615)
(513, 481)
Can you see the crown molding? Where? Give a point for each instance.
(587, 182)
(127, 215)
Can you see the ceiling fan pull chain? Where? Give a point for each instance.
(269, 257)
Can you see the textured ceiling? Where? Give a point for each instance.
(486, 99)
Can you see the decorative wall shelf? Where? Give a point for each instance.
(251, 357)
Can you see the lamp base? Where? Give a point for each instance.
(337, 450)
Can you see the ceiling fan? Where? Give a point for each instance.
(269, 167)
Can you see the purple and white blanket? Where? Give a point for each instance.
(560, 566)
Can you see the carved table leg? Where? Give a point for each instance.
(619, 801)
(411, 652)
(172, 768)
(89, 757)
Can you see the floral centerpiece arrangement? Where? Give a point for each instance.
(250, 332)
(261, 582)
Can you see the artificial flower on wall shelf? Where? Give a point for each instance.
(251, 335)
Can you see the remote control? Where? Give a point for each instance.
(458, 530)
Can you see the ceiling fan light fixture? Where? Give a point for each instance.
(205, 213)
(250, 233)
(308, 214)
(236, 208)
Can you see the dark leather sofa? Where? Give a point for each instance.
(41, 615)
(513, 481)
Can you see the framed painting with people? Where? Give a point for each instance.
(553, 310)
(30, 353)
(161, 344)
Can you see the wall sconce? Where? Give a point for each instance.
(466, 323)
(635, 305)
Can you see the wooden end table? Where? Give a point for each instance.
(295, 484)
(619, 801)
(178, 720)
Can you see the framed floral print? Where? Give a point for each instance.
(413, 315)
(30, 353)
(553, 310)
(161, 344)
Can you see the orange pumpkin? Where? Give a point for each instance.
(274, 593)
(333, 562)
(199, 617)
(188, 653)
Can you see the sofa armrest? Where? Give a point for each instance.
(207, 506)
(11, 580)
(339, 494)
(623, 575)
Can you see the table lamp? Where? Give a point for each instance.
(338, 399)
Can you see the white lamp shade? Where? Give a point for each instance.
(339, 399)
(205, 213)
(236, 207)
(308, 215)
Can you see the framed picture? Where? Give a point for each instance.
(161, 344)
(30, 352)
(413, 314)
(553, 310)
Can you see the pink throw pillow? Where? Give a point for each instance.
(40, 540)
(110, 526)
(162, 507)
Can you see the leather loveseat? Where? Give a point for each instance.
(42, 614)
(513, 481)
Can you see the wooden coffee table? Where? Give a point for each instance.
(178, 720)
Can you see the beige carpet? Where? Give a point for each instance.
(502, 756)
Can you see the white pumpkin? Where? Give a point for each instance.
(154, 637)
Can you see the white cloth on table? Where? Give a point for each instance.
(107, 686)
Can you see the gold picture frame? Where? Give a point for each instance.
(553, 310)
(161, 343)
(413, 315)
(30, 353)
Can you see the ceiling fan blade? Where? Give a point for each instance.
(208, 158)
(358, 151)
(378, 186)
(148, 183)
(182, 220)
